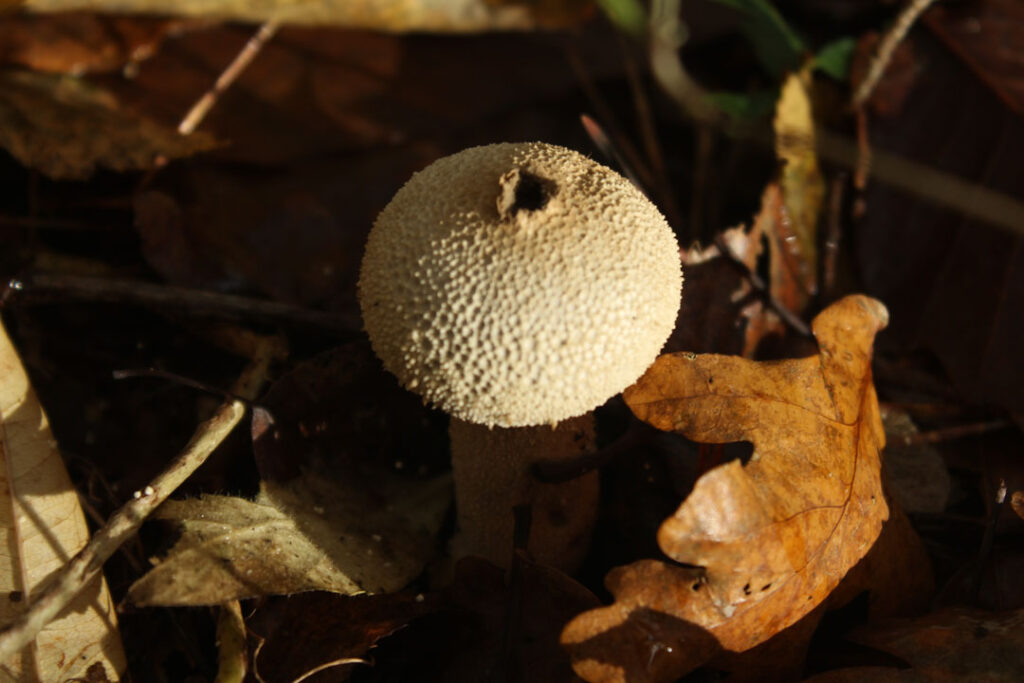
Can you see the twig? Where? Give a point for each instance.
(660, 182)
(787, 316)
(985, 551)
(928, 183)
(666, 37)
(124, 523)
(43, 286)
(949, 433)
(232, 653)
(893, 37)
(833, 232)
(205, 103)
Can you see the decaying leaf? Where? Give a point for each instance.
(302, 633)
(81, 42)
(66, 128)
(794, 260)
(942, 647)
(764, 543)
(367, 534)
(917, 474)
(41, 528)
(333, 512)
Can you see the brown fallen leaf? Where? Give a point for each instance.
(80, 42)
(66, 128)
(943, 647)
(302, 633)
(985, 35)
(764, 543)
(41, 528)
(1017, 502)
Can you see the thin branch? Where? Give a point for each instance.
(893, 37)
(205, 103)
(124, 523)
(47, 287)
(950, 433)
(788, 317)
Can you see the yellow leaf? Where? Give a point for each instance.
(794, 252)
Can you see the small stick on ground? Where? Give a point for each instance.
(124, 523)
(893, 37)
(47, 287)
(205, 103)
(949, 433)
(787, 316)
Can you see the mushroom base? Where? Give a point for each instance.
(491, 467)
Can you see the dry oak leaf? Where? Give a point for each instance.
(41, 528)
(766, 542)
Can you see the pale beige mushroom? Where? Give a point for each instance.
(517, 287)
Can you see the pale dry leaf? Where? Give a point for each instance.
(313, 533)
(380, 15)
(41, 528)
(766, 542)
(66, 128)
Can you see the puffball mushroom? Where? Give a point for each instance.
(517, 287)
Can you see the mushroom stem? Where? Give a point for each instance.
(492, 474)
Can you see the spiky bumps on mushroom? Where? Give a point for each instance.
(516, 286)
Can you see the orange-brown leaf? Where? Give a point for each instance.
(771, 539)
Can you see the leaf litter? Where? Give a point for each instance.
(332, 514)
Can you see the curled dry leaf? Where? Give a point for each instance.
(65, 128)
(766, 542)
(41, 528)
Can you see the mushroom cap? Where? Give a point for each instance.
(519, 284)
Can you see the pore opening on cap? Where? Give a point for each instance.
(523, 191)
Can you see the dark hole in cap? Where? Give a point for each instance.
(523, 191)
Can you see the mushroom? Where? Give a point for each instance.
(517, 287)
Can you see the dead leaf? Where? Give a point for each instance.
(66, 128)
(334, 512)
(363, 535)
(987, 36)
(764, 543)
(943, 647)
(511, 622)
(954, 284)
(79, 43)
(41, 528)
(1017, 502)
(793, 238)
(381, 15)
(300, 633)
(896, 83)
(916, 474)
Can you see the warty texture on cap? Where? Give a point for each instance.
(519, 284)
